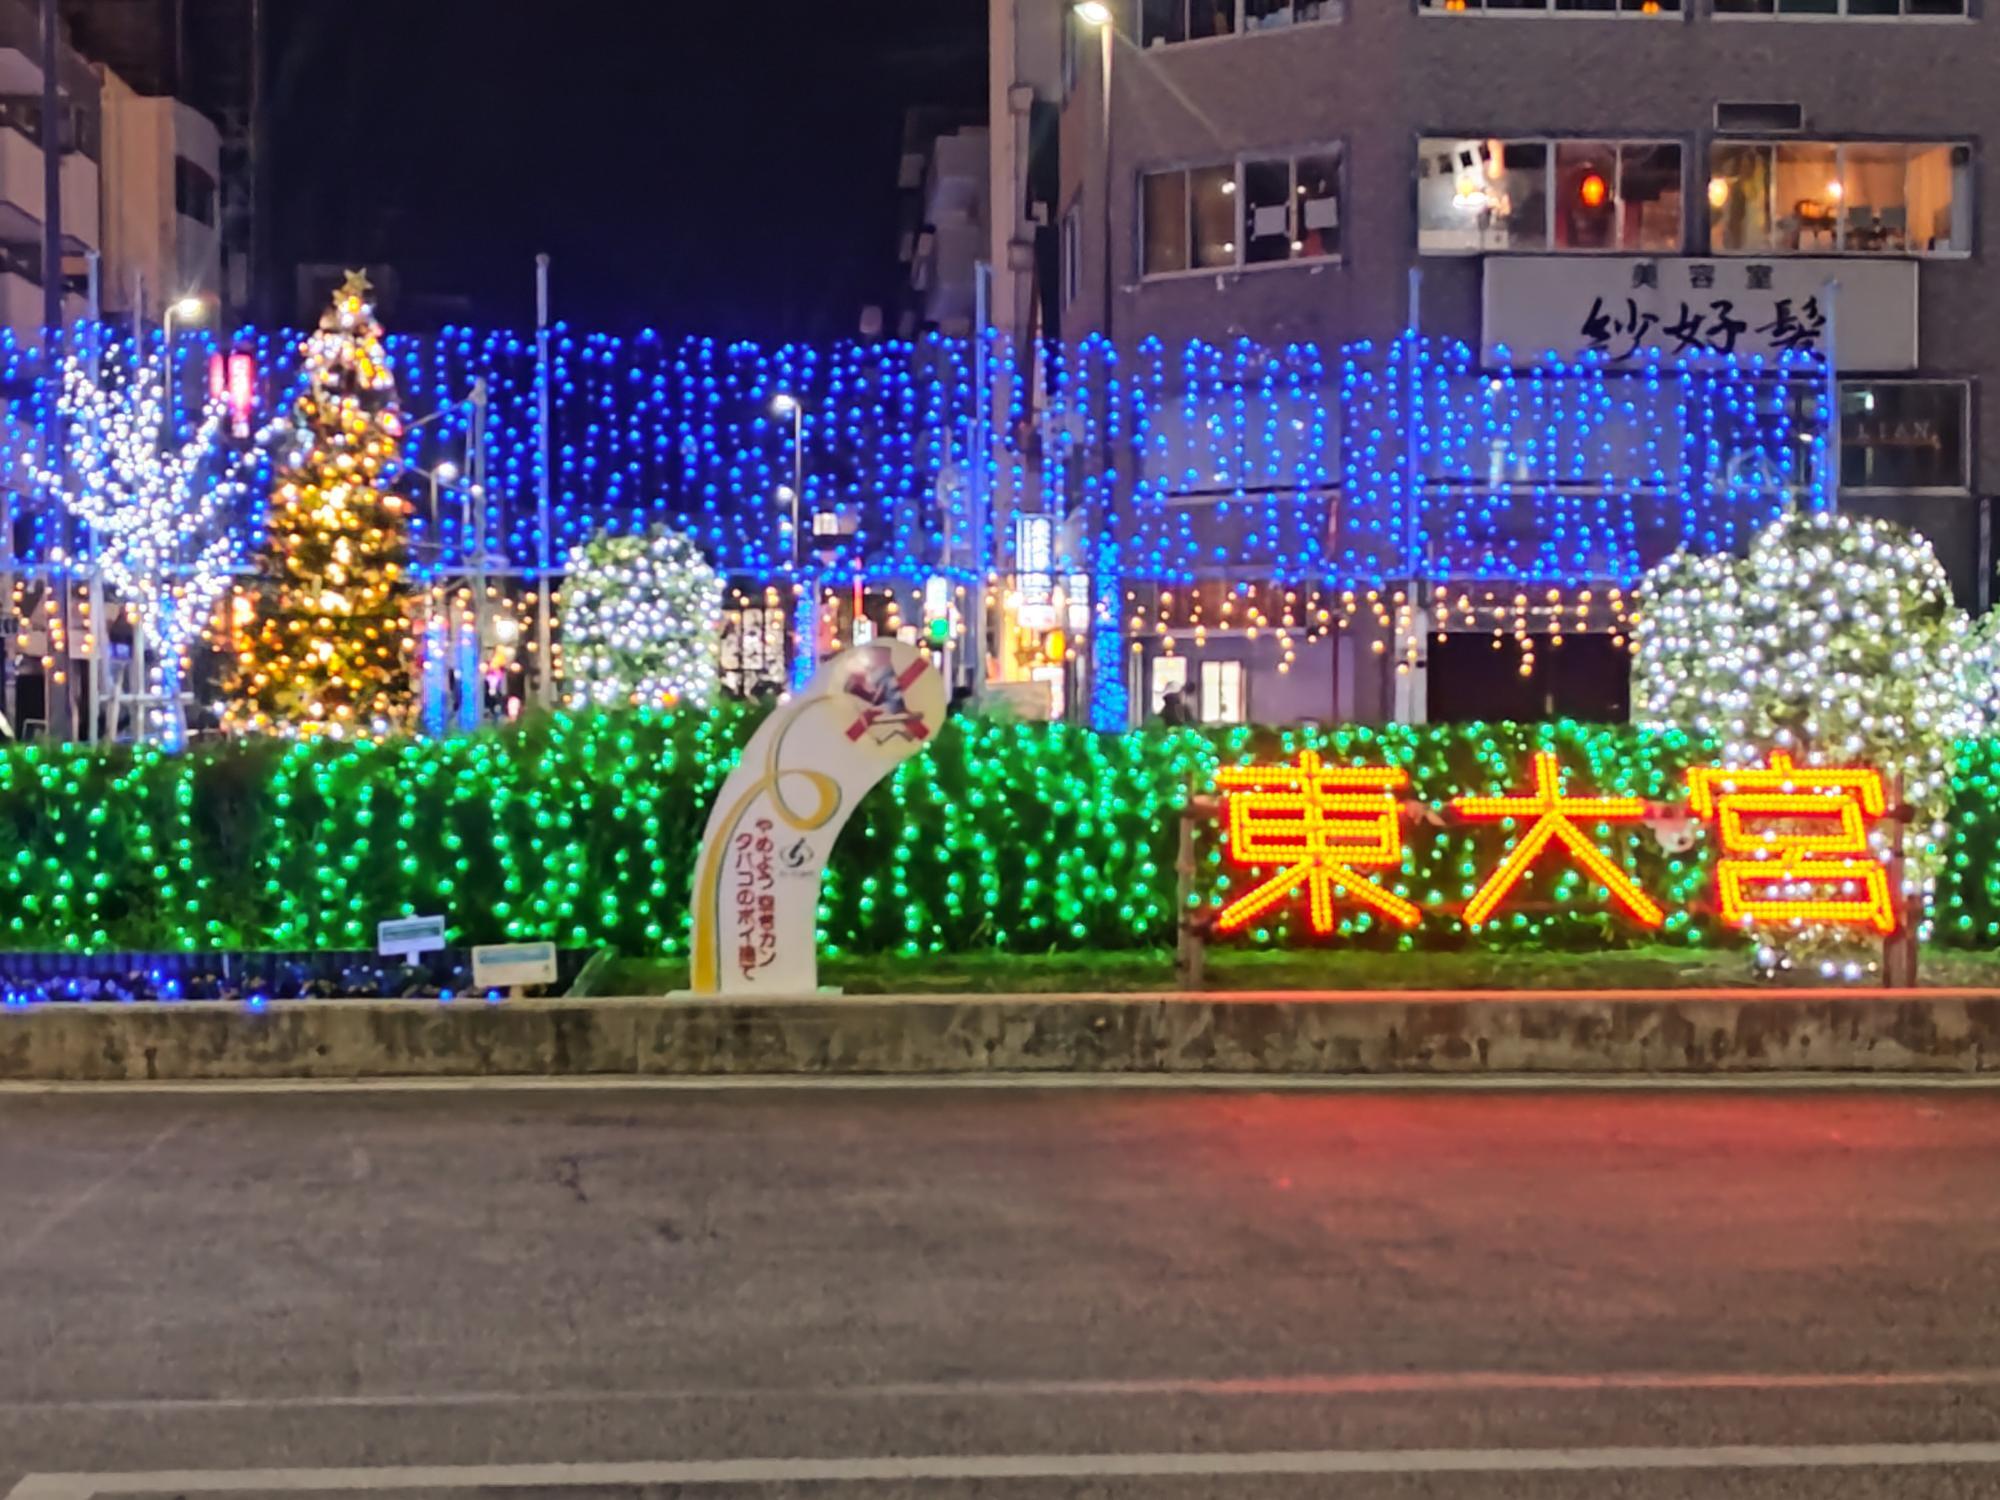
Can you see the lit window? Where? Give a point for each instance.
(1496, 195)
(1264, 210)
(1850, 197)
(1164, 22)
(1550, 7)
(1852, 9)
(1169, 682)
(194, 192)
(1222, 697)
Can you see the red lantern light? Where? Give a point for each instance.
(1593, 190)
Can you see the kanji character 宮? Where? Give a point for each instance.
(1552, 812)
(1790, 858)
(1323, 823)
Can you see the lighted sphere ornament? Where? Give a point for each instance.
(642, 621)
(1837, 643)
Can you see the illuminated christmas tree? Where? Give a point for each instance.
(329, 650)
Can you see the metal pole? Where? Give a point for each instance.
(545, 682)
(1099, 510)
(1107, 34)
(167, 371)
(805, 648)
(1830, 472)
(100, 635)
(61, 708)
(798, 477)
(52, 257)
(1398, 705)
(981, 457)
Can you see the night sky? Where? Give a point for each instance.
(724, 167)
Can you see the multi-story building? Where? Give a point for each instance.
(140, 205)
(162, 223)
(1543, 180)
(942, 182)
(195, 67)
(23, 189)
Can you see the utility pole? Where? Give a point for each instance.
(545, 676)
(59, 688)
(979, 457)
(52, 259)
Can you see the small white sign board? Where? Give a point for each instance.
(504, 966)
(406, 937)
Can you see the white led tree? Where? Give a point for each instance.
(158, 512)
(642, 618)
(1837, 640)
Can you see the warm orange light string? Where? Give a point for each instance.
(1552, 812)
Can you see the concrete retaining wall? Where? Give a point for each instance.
(1665, 1032)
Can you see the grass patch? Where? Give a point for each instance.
(1309, 969)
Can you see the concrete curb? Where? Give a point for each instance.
(1664, 1032)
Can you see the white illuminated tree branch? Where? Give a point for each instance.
(158, 512)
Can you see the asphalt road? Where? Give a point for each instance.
(1150, 1294)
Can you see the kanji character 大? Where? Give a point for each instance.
(1552, 813)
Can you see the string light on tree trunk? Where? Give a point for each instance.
(158, 510)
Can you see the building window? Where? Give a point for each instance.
(1904, 435)
(1258, 210)
(1853, 9)
(1486, 195)
(194, 192)
(1222, 695)
(1845, 197)
(1170, 675)
(21, 258)
(1164, 22)
(1550, 7)
(1072, 254)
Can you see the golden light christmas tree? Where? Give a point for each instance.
(329, 645)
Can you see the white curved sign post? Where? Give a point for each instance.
(757, 883)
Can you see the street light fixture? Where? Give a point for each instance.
(182, 310)
(787, 405)
(1098, 509)
(805, 647)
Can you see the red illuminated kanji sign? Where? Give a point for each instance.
(1778, 855)
(1324, 824)
(1552, 815)
(1794, 840)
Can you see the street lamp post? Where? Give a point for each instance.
(184, 310)
(1098, 510)
(1097, 14)
(188, 309)
(805, 622)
